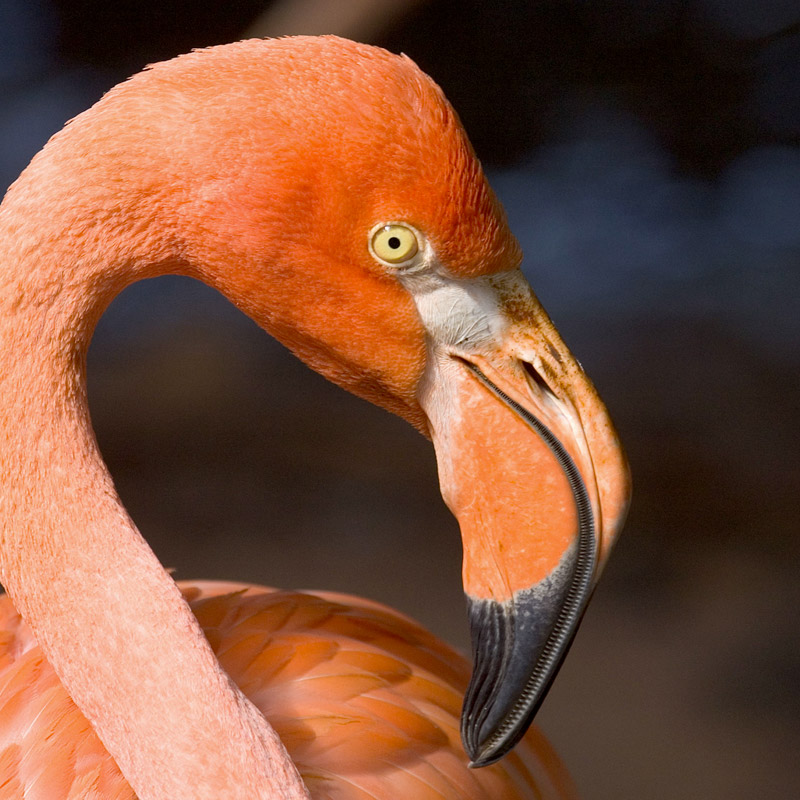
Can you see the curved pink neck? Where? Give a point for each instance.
(108, 617)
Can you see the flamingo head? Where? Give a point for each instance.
(342, 207)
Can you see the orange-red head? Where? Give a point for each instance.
(328, 189)
(281, 157)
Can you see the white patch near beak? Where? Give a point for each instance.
(456, 312)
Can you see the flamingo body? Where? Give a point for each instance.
(365, 700)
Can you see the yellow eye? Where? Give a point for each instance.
(394, 243)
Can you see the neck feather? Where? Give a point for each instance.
(108, 617)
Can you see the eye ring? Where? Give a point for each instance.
(394, 243)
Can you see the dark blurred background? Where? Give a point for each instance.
(648, 154)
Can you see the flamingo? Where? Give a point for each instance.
(329, 191)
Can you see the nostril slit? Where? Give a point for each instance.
(538, 379)
(553, 352)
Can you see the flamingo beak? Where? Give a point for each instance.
(532, 468)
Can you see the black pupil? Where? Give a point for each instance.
(394, 242)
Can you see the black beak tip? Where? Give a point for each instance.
(518, 647)
(494, 745)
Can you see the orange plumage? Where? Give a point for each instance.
(365, 700)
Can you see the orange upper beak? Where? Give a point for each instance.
(531, 466)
